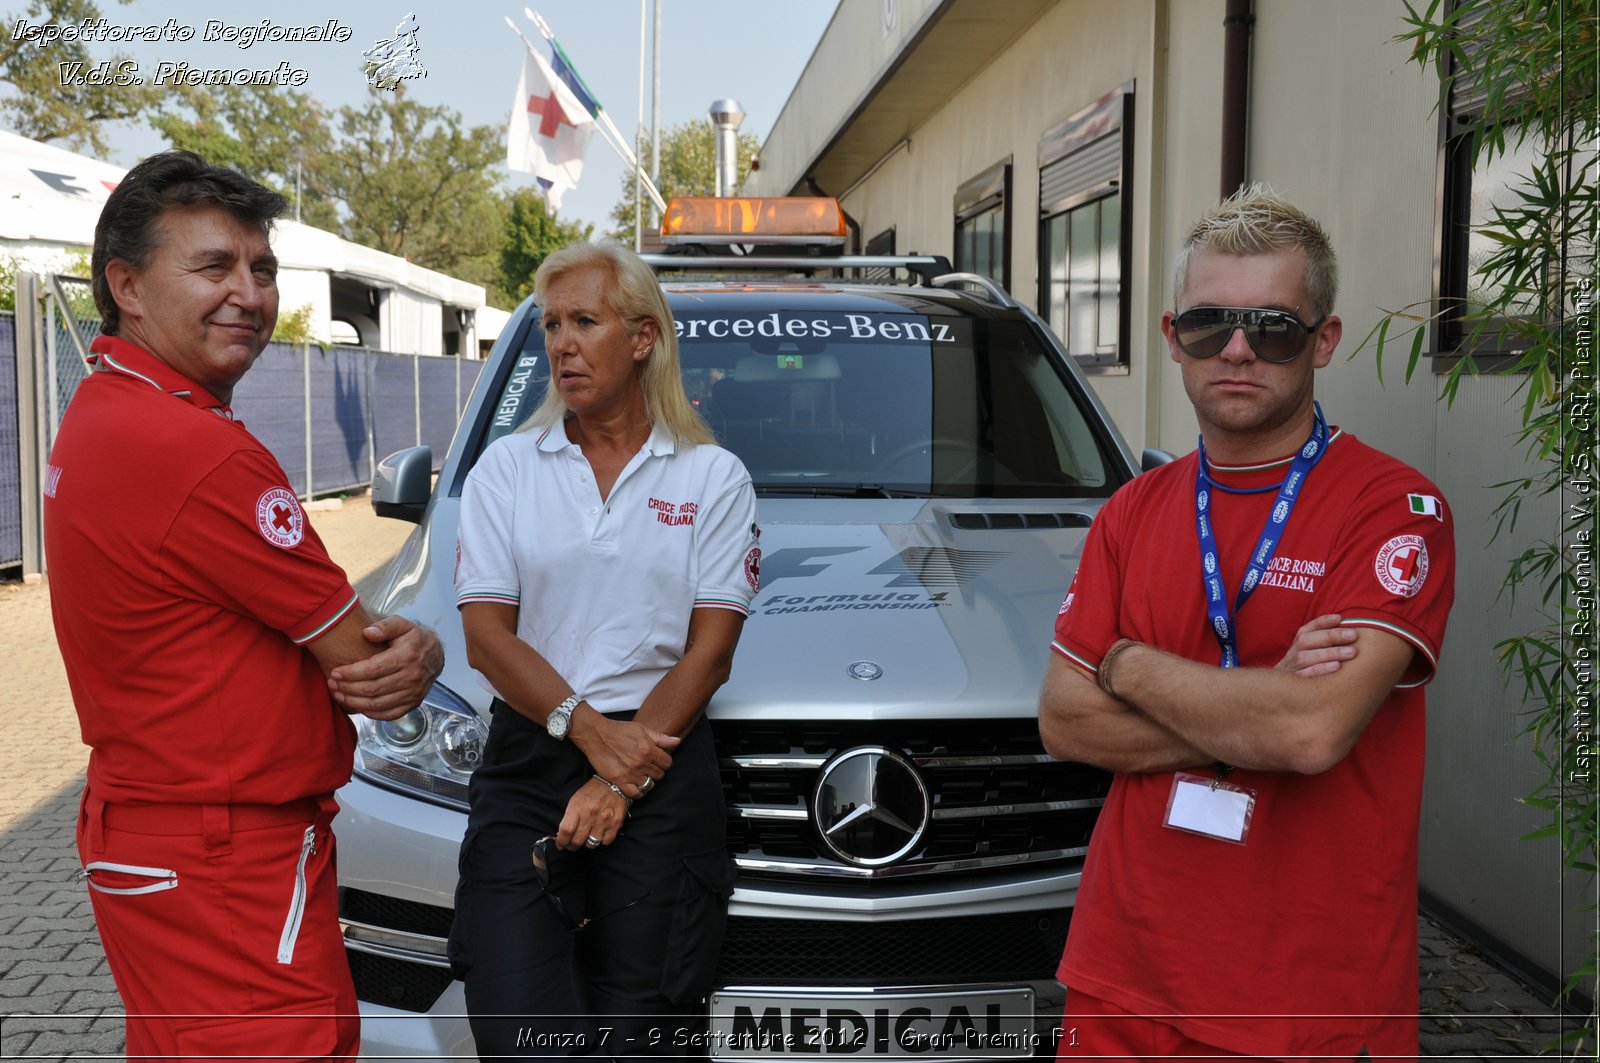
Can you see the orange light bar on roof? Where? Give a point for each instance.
(751, 220)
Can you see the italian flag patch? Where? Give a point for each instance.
(1426, 506)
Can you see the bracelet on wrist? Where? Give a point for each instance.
(626, 800)
(1103, 673)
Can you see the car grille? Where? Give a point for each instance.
(1007, 947)
(395, 914)
(997, 799)
(1012, 946)
(392, 981)
(396, 983)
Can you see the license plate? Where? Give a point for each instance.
(824, 1025)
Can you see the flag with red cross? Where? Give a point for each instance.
(549, 130)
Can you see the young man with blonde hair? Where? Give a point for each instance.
(1245, 644)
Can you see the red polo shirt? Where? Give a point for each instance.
(185, 581)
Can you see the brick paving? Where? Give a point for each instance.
(56, 996)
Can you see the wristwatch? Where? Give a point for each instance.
(560, 718)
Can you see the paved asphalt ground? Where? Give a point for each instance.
(56, 995)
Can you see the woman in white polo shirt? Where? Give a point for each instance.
(607, 561)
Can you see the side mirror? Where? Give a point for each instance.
(402, 484)
(1150, 459)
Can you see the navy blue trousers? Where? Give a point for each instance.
(631, 983)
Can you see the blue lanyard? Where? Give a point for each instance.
(1222, 623)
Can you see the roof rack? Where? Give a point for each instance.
(926, 268)
(976, 280)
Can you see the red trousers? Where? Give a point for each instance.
(221, 925)
(1092, 1027)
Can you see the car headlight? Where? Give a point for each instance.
(430, 752)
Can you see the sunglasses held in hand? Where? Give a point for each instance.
(541, 872)
(1274, 335)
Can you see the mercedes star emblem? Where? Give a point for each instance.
(871, 806)
(864, 670)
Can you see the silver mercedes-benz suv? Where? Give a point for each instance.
(927, 460)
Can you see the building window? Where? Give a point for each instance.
(1471, 191)
(1085, 168)
(983, 224)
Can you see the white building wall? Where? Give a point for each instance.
(298, 287)
(1345, 126)
(860, 41)
(410, 324)
(1076, 53)
(43, 256)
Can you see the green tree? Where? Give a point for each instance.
(688, 168)
(47, 100)
(1534, 62)
(294, 326)
(392, 174)
(531, 234)
(416, 184)
(280, 138)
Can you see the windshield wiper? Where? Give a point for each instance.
(810, 490)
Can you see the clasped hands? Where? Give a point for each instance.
(625, 753)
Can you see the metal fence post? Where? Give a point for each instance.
(305, 355)
(416, 395)
(31, 435)
(52, 383)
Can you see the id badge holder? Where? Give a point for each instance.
(1210, 807)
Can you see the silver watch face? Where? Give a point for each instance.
(558, 721)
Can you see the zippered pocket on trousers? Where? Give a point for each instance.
(161, 878)
(297, 901)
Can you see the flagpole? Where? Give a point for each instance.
(655, 108)
(618, 142)
(638, 171)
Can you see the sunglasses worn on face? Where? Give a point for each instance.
(1274, 335)
(541, 872)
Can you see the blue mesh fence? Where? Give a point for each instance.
(436, 382)
(10, 448)
(271, 401)
(394, 408)
(340, 425)
(363, 407)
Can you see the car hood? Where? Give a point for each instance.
(951, 604)
(903, 608)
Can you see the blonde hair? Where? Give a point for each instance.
(636, 297)
(1256, 220)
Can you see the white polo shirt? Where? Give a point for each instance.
(605, 589)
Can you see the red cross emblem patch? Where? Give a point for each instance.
(1402, 565)
(752, 568)
(279, 518)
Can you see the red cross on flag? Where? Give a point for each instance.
(549, 130)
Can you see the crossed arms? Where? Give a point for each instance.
(1167, 713)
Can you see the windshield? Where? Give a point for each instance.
(872, 404)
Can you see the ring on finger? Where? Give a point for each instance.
(646, 786)
(592, 842)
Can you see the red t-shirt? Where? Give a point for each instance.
(184, 581)
(1315, 915)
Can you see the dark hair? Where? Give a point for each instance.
(172, 180)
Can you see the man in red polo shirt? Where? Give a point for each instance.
(1251, 885)
(213, 647)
